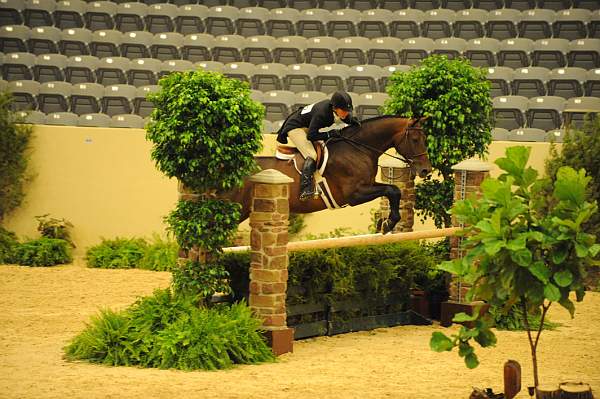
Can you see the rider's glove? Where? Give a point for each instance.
(333, 134)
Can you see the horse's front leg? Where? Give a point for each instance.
(368, 193)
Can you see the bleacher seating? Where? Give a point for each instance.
(71, 56)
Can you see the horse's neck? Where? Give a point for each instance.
(379, 134)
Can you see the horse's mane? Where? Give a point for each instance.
(351, 128)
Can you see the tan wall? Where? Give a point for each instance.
(104, 182)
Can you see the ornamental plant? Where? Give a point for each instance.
(205, 130)
(523, 248)
(456, 98)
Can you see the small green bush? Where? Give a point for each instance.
(167, 331)
(54, 228)
(43, 252)
(120, 253)
(513, 319)
(160, 255)
(8, 242)
(200, 280)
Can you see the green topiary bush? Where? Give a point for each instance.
(456, 98)
(43, 252)
(167, 331)
(120, 253)
(8, 243)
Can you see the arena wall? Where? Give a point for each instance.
(104, 182)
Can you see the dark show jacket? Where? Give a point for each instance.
(314, 116)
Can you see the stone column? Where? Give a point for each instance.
(269, 258)
(468, 176)
(398, 173)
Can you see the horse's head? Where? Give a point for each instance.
(412, 145)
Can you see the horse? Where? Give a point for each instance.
(352, 167)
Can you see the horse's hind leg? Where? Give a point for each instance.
(368, 193)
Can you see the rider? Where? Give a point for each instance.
(302, 128)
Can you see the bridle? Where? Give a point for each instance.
(402, 158)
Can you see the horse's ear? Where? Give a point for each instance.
(423, 119)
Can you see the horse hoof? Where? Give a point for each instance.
(385, 227)
(379, 224)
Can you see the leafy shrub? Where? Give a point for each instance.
(14, 145)
(296, 223)
(167, 331)
(54, 228)
(160, 255)
(8, 242)
(120, 253)
(200, 280)
(513, 319)
(43, 252)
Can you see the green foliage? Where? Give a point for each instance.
(205, 130)
(513, 319)
(296, 223)
(580, 149)
(159, 255)
(433, 199)
(200, 280)
(167, 331)
(8, 243)
(14, 145)
(208, 224)
(43, 252)
(520, 250)
(54, 228)
(120, 253)
(455, 96)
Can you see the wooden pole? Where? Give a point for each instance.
(365, 239)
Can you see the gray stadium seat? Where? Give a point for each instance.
(594, 25)
(312, 22)
(470, 23)
(112, 70)
(18, 66)
(320, 50)
(10, 12)
(451, 47)
(170, 66)
(127, 121)
(456, 5)
(213, 66)
(268, 76)
(54, 97)
(520, 5)
(515, 52)
(406, 23)
(499, 134)
(81, 69)
(227, 48)
(130, 16)
(576, 108)
(144, 71)
(550, 53)
(259, 49)
(242, 71)
(282, 22)
(364, 78)
(49, 67)
(99, 15)
(530, 81)
(331, 78)
(395, 5)
(342, 23)
(33, 117)
(527, 134)
(167, 46)
(300, 77)
(488, 5)
(351, 50)
(566, 82)
(502, 23)
(289, 50)
(509, 111)
(38, 12)
(161, 18)
(68, 14)
(374, 23)
(278, 104)
(305, 98)
(85, 98)
(75, 41)
(44, 40)
(368, 105)
(592, 83)
(438, 23)
(251, 21)
(383, 51)
(363, 5)
(24, 93)
(536, 24)
(545, 112)
(257, 95)
(482, 51)
(584, 53)
(571, 24)
(555, 5)
(62, 118)
(13, 38)
(333, 5)
(118, 99)
(106, 43)
(415, 49)
(220, 20)
(555, 136)
(387, 71)
(197, 47)
(141, 105)
(136, 44)
(94, 120)
(190, 19)
(267, 127)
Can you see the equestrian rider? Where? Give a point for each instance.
(302, 128)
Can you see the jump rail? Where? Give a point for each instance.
(364, 239)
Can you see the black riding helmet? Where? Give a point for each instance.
(341, 99)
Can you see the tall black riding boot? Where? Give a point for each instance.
(307, 183)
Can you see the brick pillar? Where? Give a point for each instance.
(398, 173)
(468, 176)
(268, 257)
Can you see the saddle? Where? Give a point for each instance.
(286, 152)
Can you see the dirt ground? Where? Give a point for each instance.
(41, 309)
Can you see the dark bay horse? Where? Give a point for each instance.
(352, 166)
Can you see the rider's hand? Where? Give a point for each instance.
(334, 134)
